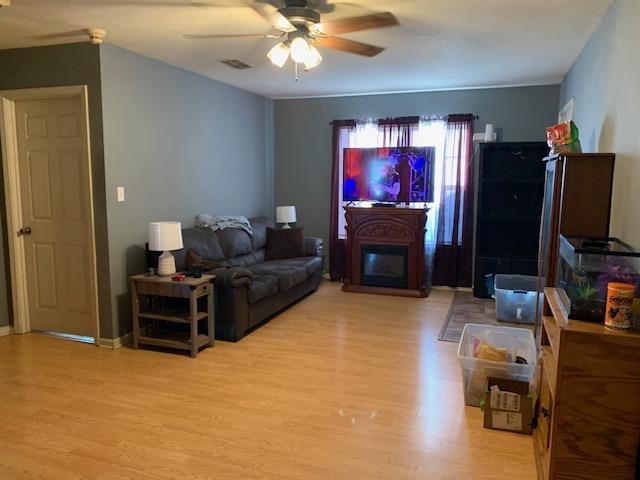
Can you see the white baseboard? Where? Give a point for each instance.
(4, 331)
(114, 343)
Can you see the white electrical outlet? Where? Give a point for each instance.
(120, 194)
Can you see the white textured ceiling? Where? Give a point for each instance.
(440, 44)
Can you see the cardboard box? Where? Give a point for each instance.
(508, 406)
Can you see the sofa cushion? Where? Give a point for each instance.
(234, 242)
(263, 286)
(229, 277)
(287, 275)
(260, 255)
(203, 242)
(259, 226)
(310, 264)
(313, 247)
(285, 243)
(243, 260)
(193, 258)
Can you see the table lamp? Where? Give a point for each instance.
(164, 237)
(286, 215)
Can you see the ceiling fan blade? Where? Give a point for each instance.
(356, 24)
(349, 46)
(173, 3)
(205, 36)
(274, 17)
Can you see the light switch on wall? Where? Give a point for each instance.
(120, 193)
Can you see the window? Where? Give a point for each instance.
(428, 133)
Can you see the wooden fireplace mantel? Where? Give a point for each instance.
(387, 226)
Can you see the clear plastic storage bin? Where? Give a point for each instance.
(475, 371)
(516, 298)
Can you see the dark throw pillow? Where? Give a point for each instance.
(194, 259)
(284, 243)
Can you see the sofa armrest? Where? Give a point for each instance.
(233, 276)
(313, 246)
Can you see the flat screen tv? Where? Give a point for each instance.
(388, 174)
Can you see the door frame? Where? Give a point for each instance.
(9, 140)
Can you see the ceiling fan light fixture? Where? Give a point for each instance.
(313, 58)
(316, 29)
(279, 54)
(299, 49)
(283, 24)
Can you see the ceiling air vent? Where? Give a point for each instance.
(235, 63)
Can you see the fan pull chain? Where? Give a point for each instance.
(296, 71)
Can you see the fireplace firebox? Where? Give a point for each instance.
(384, 265)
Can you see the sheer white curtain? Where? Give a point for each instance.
(368, 134)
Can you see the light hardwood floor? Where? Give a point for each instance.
(341, 386)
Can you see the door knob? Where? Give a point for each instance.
(24, 231)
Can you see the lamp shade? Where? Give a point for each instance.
(279, 54)
(286, 214)
(165, 236)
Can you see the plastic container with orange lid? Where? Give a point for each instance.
(619, 312)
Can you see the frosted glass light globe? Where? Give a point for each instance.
(299, 49)
(279, 54)
(313, 58)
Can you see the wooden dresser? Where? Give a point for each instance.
(588, 416)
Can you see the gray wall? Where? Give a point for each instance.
(180, 144)
(604, 82)
(60, 65)
(303, 135)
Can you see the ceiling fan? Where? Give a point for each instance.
(301, 30)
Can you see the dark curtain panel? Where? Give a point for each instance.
(336, 244)
(403, 126)
(453, 257)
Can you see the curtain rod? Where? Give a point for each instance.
(373, 120)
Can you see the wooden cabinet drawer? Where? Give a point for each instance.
(203, 289)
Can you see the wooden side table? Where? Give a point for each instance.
(190, 288)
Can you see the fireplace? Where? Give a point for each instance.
(385, 251)
(383, 265)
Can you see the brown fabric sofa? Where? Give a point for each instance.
(250, 289)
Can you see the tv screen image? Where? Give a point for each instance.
(388, 174)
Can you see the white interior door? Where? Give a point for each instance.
(56, 211)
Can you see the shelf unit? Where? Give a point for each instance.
(509, 202)
(588, 413)
(152, 318)
(577, 201)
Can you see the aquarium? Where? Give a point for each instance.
(586, 265)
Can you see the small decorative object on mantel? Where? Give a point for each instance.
(164, 237)
(286, 215)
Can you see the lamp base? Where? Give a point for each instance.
(286, 225)
(166, 264)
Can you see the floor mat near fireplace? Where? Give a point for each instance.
(467, 309)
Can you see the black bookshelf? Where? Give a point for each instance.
(509, 204)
